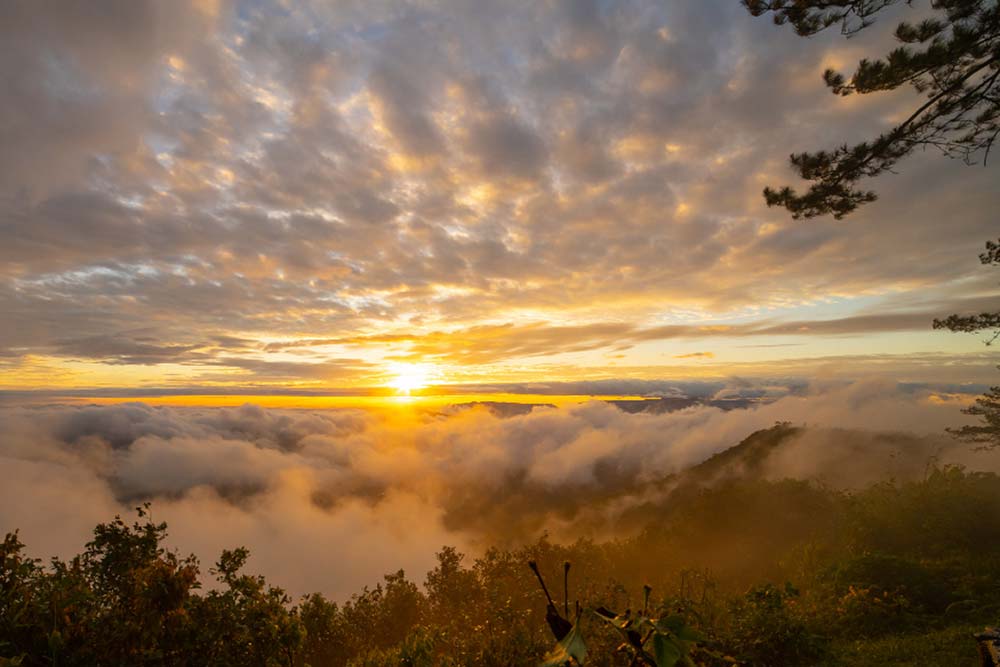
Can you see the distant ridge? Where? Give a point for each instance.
(666, 404)
(745, 459)
(501, 408)
(653, 406)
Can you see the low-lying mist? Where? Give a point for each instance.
(330, 500)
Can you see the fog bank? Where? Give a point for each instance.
(330, 500)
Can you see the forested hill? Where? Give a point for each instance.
(761, 570)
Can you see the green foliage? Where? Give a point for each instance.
(326, 636)
(20, 581)
(873, 611)
(987, 406)
(128, 601)
(982, 321)
(740, 548)
(950, 513)
(370, 624)
(664, 639)
(248, 622)
(420, 648)
(948, 646)
(571, 649)
(768, 627)
(879, 568)
(951, 59)
(925, 586)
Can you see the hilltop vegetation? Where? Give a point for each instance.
(766, 572)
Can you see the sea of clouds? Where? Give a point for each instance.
(330, 500)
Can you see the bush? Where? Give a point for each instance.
(128, 601)
(767, 627)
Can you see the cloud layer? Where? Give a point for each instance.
(332, 499)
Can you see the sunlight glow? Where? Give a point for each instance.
(410, 377)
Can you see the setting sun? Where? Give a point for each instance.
(410, 377)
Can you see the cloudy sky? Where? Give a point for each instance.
(328, 196)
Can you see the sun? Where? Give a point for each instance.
(410, 377)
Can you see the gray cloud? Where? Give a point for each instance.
(124, 350)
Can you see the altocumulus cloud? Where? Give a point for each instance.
(333, 499)
(325, 170)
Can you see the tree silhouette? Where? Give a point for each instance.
(952, 59)
(987, 406)
(983, 321)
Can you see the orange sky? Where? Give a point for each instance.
(339, 198)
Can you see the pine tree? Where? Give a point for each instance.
(987, 406)
(952, 60)
(983, 321)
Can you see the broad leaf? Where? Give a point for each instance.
(677, 625)
(620, 621)
(570, 649)
(666, 652)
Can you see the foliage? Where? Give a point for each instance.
(663, 639)
(983, 321)
(417, 649)
(951, 59)
(569, 649)
(949, 513)
(873, 611)
(128, 601)
(769, 628)
(246, 623)
(947, 646)
(889, 580)
(895, 565)
(987, 406)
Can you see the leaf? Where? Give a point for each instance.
(666, 652)
(617, 620)
(569, 649)
(674, 623)
(628, 626)
(559, 625)
(677, 625)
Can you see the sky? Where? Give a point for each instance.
(211, 197)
